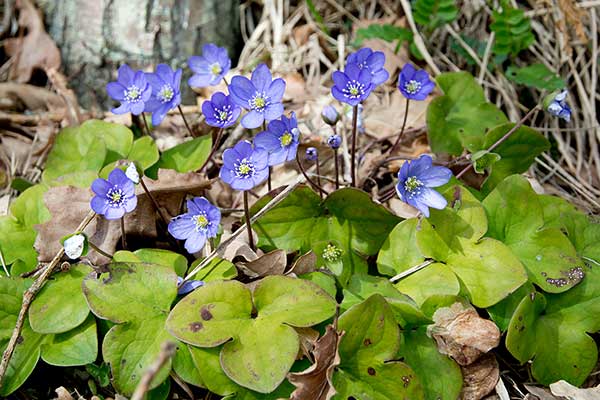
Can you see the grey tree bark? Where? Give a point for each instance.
(96, 36)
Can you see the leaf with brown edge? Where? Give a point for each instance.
(315, 382)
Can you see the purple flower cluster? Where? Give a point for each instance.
(197, 225)
(415, 180)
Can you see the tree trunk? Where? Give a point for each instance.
(95, 37)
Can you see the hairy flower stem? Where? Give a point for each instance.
(312, 183)
(393, 148)
(213, 150)
(269, 185)
(28, 297)
(318, 176)
(353, 155)
(123, 238)
(502, 139)
(185, 121)
(248, 225)
(337, 168)
(147, 131)
(99, 250)
(165, 220)
(226, 83)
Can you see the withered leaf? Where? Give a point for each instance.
(315, 382)
(304, 264)
(480, 378)
(272, 263)
(462, 334)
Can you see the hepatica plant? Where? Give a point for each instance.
(324, 263)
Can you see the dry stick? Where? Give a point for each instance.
(213, 150)
(411, 270)
(502, 139)
(28, 297)
(185, 121)
(248, 224)
(241, 229)
(166, 352)
(402, 129)
(353, 155)
(313, 184)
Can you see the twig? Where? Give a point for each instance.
(28, 297)
(411, 270)
(166, 352)
(417, 39)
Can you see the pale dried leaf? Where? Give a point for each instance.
(315, 382)
(21, 96)
(462, 334)
(480, 378)
(272, 263)
(570, 392)
(402, 209)
(34, 50)
(238, 248)
(62, 394)
(541, 393)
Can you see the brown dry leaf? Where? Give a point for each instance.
(295, 87)
(21, 96)
(384, 115)
(462, 334)
(308, 338)
(272, 263)
(238, 247)
(304, 264)
(402, 209)
(34, 50)
(570, 392)
(302, 33)
(480, 378)
(315, 382)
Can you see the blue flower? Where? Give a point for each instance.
(261, 95)
(280, 139)
(244, 167)
(131, 89)
(311, 154)
(353, 85)
(220, 111)
(210, 67)
(330, 115)
(413, 84)
(165, 85)
(187, 286)
(113, 197)
(334, 141)
(415, 180)
(373, 61)
(557, 106)
(197, 225)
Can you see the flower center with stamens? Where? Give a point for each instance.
(354, 89)
(200, 221)
(244, 169)
(166, 93)
(331, 253)
(223, 114)
(215, 69)
(259, 102)
(413, 186)
(286, 139)
(115, 196)
(133, 94)
(412, 86)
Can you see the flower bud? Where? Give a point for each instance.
(330, 115)
(311, 154)
(334, 141)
